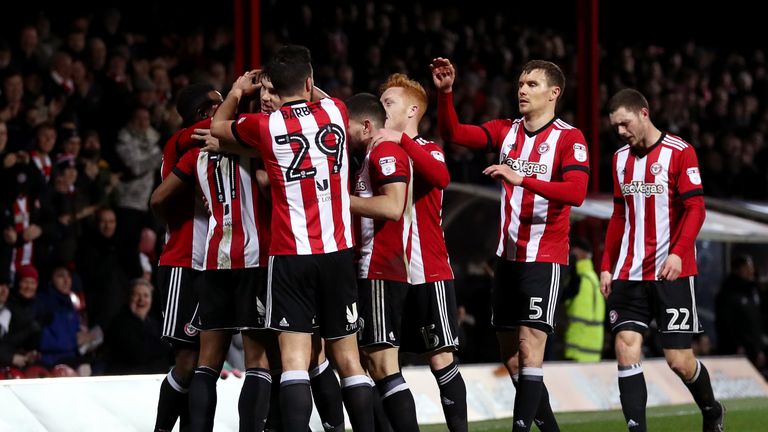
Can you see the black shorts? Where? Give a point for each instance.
(430, 320)
(381, 311)
(179, 297)
(527, 294)
(229, 299)
(633, 304)
(304, 290)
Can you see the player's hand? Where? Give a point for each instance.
(32, 232)
(262, 181)
(10, 235)
(505, 173)
(248, 83)
(386, 135)
(210, 142)
(443, 74)
(605, 283)
(671, 269)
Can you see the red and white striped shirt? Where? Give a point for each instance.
(534, 228)
(23, 254)
(237, 227)
(429, 256)
(658, 210)
(304, 147)
(43, 163)
(383, 244)
(554, 163)
(187, 227)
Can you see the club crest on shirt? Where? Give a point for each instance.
(387, 165)
(656, 168)
(693, 175)
(613, 316)
(580, 152)
(437, 155)
(189, 330)
(543, 148)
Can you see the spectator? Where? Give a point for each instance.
(101, 263)
(739, 319)
(63, 333)
(133, 340)
(19, 332)
(137, 147)
(584, 306)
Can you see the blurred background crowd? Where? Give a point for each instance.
(87, 100)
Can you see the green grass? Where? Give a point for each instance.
(743, 415)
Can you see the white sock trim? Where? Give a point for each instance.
(356, 380)
(532, 371)
(294, 375)
(695, 374)
(317, 370)
(175, 384)
(397, 388)
(630, 370)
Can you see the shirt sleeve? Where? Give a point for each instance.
(486, 137)
(689, 176)
(389, 164)
(247, 129)
(185, 141)
(692, 194)
(428, 161)
(574, 154)
(186, 169)
(615, 225)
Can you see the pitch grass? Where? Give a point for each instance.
(743, 415)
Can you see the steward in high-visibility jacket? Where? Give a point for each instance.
(586, 314)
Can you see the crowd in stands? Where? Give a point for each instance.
(86, 104)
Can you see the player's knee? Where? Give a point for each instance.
(440, 360)
(682, 365)
(185, 363)
(628, 346)
(526, 353)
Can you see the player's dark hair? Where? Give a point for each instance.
(366, 105)
(191, 100)
(629, 99)
(289, 69)
(555, 76)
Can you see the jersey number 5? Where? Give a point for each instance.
(328, 145)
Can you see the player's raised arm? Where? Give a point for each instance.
(224, 120)
(443, 76)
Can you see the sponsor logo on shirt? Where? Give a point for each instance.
(526, 167)
(641, 188)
